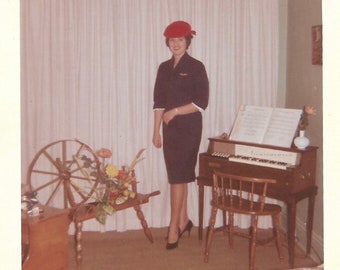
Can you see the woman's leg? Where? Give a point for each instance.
(177, 194)
(183, 219)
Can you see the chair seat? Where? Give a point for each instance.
(244, 206)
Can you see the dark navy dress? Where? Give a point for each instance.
(187, 83)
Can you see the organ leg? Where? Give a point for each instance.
(291, 206)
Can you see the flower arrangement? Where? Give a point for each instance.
(307, 111)
(116, 185)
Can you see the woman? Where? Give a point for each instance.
(181, 93)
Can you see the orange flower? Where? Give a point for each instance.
(104, 153)
(310, 110)
(307, 110)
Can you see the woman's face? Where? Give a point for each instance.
(178, 46)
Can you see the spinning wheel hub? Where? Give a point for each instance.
(65, 175)
(63, 170)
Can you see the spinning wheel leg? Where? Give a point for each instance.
(146, 229)
(78, 238)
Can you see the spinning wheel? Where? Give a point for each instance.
(64, 174)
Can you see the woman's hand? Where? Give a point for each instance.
(169, 115)
(157, 140)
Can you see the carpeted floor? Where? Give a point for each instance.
(132, 250)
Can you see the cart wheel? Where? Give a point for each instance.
(64, 174)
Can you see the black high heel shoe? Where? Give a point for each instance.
(175, 244)
(187, 227)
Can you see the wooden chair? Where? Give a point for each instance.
(238, 194)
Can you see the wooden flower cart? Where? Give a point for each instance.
(57, 180)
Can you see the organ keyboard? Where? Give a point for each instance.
(294, 170)
(280, 158)
(260, 162)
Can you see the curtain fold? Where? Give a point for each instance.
(88, 70)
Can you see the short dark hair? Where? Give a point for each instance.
(188, 39)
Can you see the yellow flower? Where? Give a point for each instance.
(132, 195)
(126, 192)
(111, 170)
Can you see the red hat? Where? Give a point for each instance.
(178, 29)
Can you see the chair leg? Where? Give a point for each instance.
(231, 229)
(224, 219)
(210, 234)
(278, 236)
(252, 247)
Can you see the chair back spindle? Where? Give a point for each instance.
(236, 189)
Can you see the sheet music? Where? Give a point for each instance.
(282, 127)
(265, 125)
(251, 124)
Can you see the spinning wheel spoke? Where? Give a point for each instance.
(50, 159)
(64, 151)
(47, 184)
(85, 185)
(70, 163)
(53, 193)
(84, 178)
(80, 192)
(68, 195)
(45, 172)
(78, 169)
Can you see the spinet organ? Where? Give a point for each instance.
(293, 169)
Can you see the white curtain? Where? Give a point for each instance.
(88, 69)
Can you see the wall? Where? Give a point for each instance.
(304, 87)
(331, 131)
